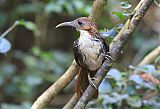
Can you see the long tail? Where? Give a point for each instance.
(82, 82)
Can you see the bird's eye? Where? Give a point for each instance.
(79, 22)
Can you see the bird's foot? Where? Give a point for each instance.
(91, 81)
(108, 56)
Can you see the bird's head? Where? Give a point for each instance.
(82, 23)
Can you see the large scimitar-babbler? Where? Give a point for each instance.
(90, 50)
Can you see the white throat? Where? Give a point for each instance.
(84, 33)
(91, 49)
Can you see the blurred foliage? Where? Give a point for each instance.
(70, 6)
(128, 90)
(125, 5)
(40, 53)
(40, 69)
(5, 45)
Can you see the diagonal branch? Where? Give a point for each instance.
(151, 56)
(97, 9)
(53, 90)
(126, 26)
(72, 102)
(115, 51)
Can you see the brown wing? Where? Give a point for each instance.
(105, 48)
(82, 82)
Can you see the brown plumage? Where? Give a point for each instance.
(83, 82)
(89, 51)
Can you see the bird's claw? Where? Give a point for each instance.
(108, 56)
(91, 81)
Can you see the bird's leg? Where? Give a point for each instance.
(90, 79)
(107, 56)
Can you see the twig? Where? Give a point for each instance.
(9, 30)
(157, 4)
(72, 102)
(53, 90)
(146, 60)
(115, 51)
(150, 57)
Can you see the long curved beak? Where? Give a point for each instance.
(65, 24)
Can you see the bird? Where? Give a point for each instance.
(90, 51)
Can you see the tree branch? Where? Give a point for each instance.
(53, 90)
(151, 56)
(149, 77)
(115, 51)
(72, 102)
(95, 14)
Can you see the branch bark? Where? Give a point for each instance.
(151, 56)
(53, 90)
(115, 51)
(72, 102)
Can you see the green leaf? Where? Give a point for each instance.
(25, 8)
(125, 5)
(116, 74)
(53, 7)
(136, 78)
(134, 101)
(157, 59)
(78, 4)
(114, 98)
(148, 68)
(105, 87)
(36, 51)
(68, 6)
(28, 25)
(120, 15)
